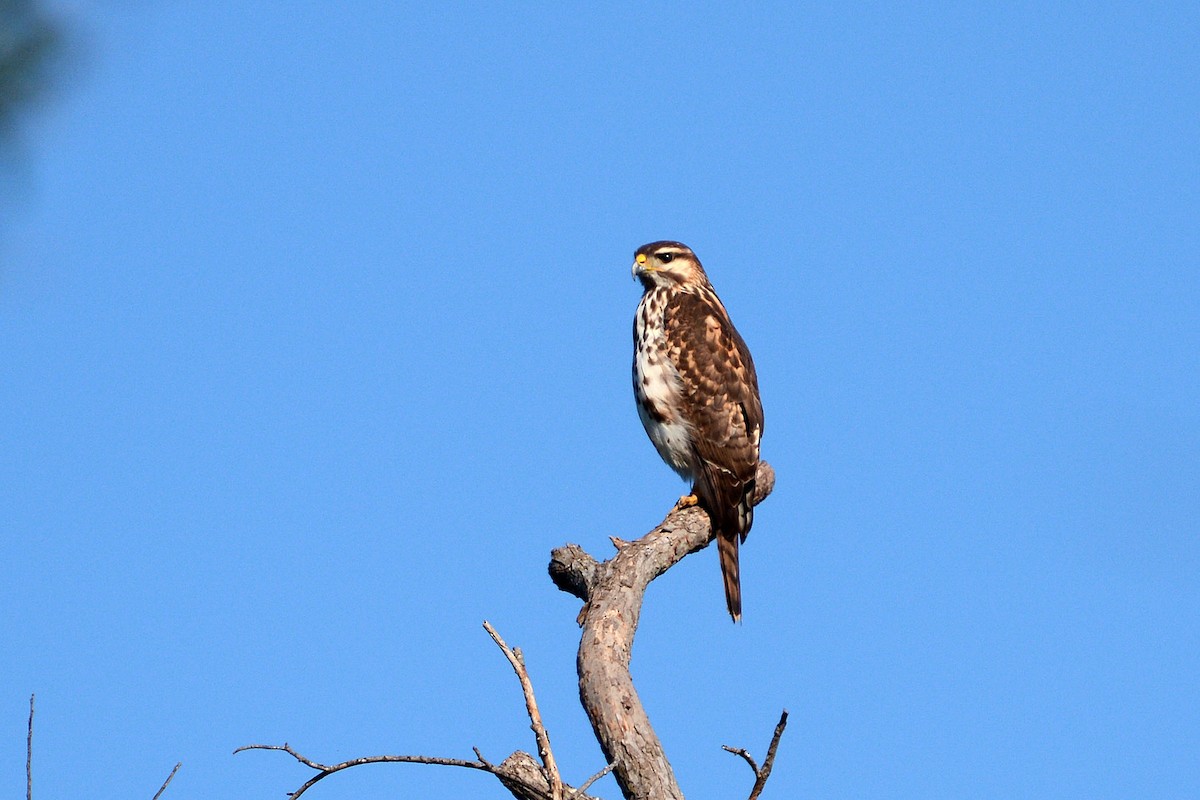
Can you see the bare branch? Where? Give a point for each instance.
(524, 777)
(769, 762)
(29, 754)
(163, 788)
(517, 661)
(613, 592)
(29, 761)
(586, 784)
(761, 775)
(325, 770)
(573, 570)
(286, 748)
(519, 773)
(745, 754)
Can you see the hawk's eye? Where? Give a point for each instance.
(666, 257)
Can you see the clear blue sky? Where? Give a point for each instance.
(315, 339)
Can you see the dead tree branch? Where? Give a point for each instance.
(325, 770)
(29, 754)
(517, 660)
(167, 782)
(745, 754)
(584, 786)
(520, 773)
(612, 592)
(29, 761)
(761, 775)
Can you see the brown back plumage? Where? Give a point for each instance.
(721, 404)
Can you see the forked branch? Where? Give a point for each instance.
(517, 660)
(761, 774)
(520, 773)
(325, 770)
(612, 592)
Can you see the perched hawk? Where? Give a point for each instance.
(697, 395)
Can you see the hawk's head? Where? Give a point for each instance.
(667, 264)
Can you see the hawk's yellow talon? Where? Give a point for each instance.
(687, 501)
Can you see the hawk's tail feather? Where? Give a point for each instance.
(727, 546)
(731, 513)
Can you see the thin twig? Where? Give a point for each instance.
(482, 760)
(769, 761)
(287, 748)
(535, 717)
(587, 784)
(761, 774)
(163, 788)
(29, 754)
(744, 753)
(325, 770)
(507, 772)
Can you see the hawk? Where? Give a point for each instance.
(697, 395)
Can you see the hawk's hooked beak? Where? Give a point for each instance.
(640, 265)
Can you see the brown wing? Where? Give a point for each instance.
(719, 389)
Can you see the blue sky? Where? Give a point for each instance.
(315, 339)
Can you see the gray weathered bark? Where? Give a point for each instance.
(612, 592)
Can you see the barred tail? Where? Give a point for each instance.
(731, 512)
(727, 546)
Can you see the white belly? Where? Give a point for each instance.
(673, 442)
(656, 387)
